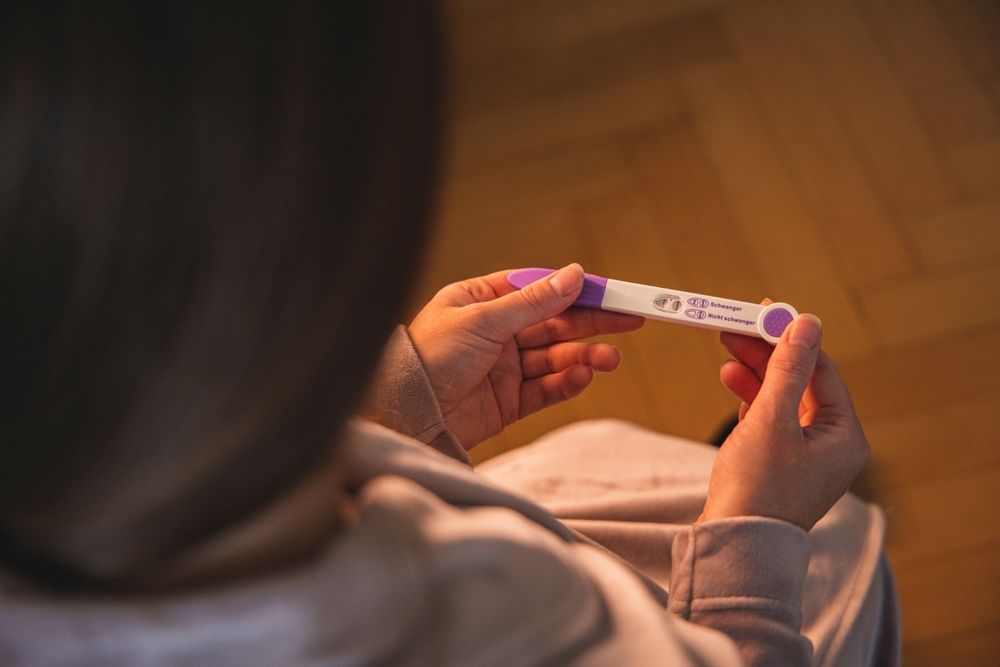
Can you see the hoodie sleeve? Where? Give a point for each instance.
(744, 577)
(401, 398)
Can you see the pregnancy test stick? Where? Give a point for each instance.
(671, 305)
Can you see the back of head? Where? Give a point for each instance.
(207, 212)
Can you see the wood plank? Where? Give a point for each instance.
(815, 144)
(616, 228)
(934, 305)
(701, 240)
(516, 214)
(953, 105)
(863, 87)
(696, 214)
(493, 30)
(675, 368)
(556, 122)
(950, 513)
(785, 241)
(699, 246)
(920, 446)
(978, 646)
(974, 26)
(552, 177)
(976, 166)
(454, 257)
(514, 101)
(575, 53)
(911, 379)
(963, 234)
(951, 594)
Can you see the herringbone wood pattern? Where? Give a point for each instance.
(842, 156)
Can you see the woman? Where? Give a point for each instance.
(208, 217)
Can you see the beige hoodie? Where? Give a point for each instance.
(446, 565)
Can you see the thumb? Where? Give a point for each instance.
(790, 368)
(534, 303)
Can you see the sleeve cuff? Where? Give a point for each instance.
(740, 564)
(401, 398)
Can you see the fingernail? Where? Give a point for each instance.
(806, 332)
(567, 279)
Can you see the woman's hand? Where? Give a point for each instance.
(799, 444)
(495, 354)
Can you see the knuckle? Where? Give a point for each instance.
(550, 362)
(475, 288)
(551, 329)
(477, 318)
(534, 299)
(446, 291)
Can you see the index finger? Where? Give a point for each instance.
(476, 290)
(753, 353)
(498, 282)
(827, 396)
(577, 323)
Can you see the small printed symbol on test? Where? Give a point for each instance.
(698, 302)
(696, 314)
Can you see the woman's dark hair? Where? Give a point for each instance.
(209, 214)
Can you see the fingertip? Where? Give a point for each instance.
(739, 380)
(805, 332)
(618, 356)
(635, 321)
(750, 351)
(567, 280)
(726, 367)
(604, 357)
(577, 379)
(791, 367)
(581, 374)
(607, 322)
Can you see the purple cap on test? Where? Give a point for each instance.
(776, 321)
(592, 295)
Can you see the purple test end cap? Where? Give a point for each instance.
(776, 321)
(591, 296)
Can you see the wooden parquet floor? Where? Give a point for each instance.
(842, 156)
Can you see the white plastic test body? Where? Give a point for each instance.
(677, 306)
